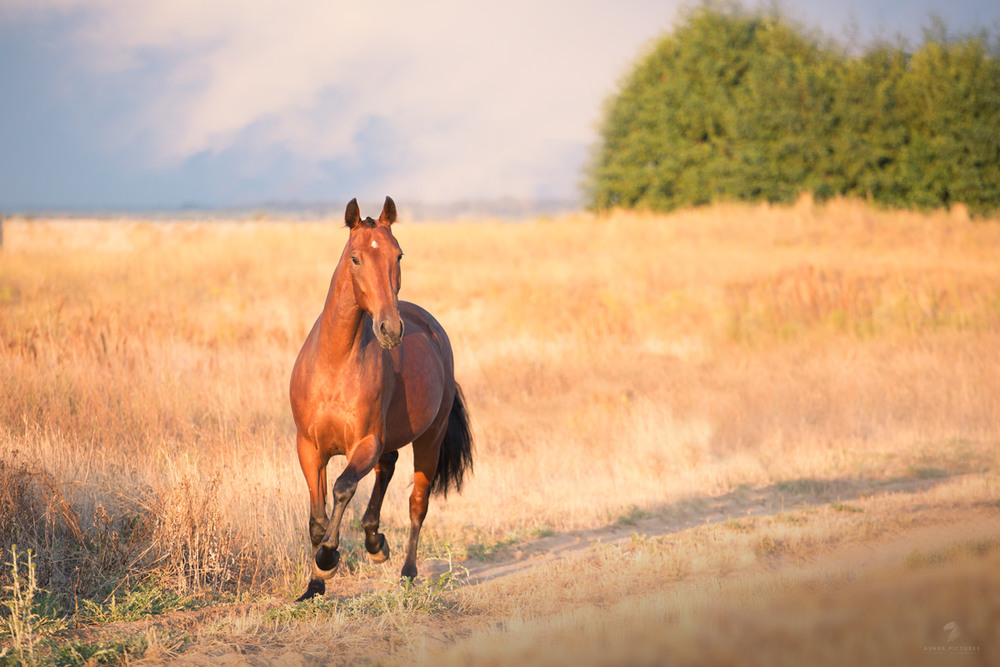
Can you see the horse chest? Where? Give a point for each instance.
(343, 414)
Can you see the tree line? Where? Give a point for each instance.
(748, 106)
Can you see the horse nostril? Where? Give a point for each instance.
(386, 333)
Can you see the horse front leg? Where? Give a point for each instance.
(314, 470)
(375, 544)
(360, 463)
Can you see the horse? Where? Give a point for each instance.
(374, 375)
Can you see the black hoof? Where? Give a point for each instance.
(409, 572)
(325, 562)
(381, 552)
(316, 587)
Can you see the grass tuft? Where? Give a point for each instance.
(30, 623)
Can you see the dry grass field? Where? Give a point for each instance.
(734, 435)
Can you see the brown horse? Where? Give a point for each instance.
(374, 375)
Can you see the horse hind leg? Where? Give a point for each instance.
(441, 458)
(418, 512)
(426, 450)
(375, 542)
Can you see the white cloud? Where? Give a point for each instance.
(432, 100)
(484, 99)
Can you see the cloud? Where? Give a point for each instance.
(432, 99)
(242, 101)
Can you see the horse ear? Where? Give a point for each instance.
(388, 212)
(352, 217)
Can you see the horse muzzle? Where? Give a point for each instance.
(389, 333)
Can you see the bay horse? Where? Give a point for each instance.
(374, 374)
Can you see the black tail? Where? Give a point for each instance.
(456, 449)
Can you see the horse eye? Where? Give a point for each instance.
(399, 257)
(356, 261)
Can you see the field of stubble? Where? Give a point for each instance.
(739, 434)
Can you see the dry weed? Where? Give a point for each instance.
(622, 369)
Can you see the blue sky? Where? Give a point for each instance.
(170, 103)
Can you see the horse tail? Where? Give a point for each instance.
(456, 449)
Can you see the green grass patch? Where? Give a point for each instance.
(740, 525)
(489, 550)
(424, 596)
(844, 507)
(633, 515)
(141, 602)
(543, 531)
(109, 652)
(31, 620)
(794, 519)
(405, 596)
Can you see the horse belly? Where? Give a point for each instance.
(419, 394)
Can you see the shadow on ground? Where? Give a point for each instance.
(672, 518)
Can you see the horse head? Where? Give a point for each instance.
(374, 257)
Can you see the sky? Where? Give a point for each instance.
(166, 104)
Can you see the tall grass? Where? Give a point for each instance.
(629, 361)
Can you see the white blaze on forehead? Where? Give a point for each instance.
(374, 244)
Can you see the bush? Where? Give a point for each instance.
(746, 106)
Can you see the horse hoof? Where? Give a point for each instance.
(316, 587)
(381, 554)
(325, 562)
(409, 572)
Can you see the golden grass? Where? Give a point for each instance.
(628, 373)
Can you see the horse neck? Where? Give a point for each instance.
(342, 319)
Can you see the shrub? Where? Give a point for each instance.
(744, 106)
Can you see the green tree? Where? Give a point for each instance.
(737, 105)
(950, 101)
(869, 129)
(727, 107)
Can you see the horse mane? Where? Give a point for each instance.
(368, 222)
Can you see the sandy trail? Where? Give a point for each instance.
(940, 527)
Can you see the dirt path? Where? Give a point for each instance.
(940, 526)
(675, 519)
